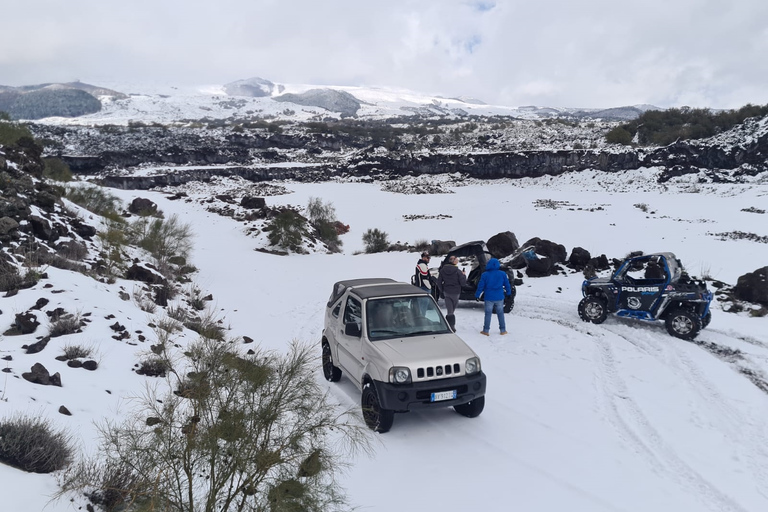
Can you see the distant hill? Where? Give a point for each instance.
(53, 100)
(252, 87)
(329, 99)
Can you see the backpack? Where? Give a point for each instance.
(415, 279)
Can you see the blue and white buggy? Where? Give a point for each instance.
(649, 287)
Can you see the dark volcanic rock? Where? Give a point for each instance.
(753, 287)
(503, 244)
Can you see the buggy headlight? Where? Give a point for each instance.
(399, 375)
(472, 365)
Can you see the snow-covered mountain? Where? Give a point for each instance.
(255, 98)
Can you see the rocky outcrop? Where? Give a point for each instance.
(753, 287)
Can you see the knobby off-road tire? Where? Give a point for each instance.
(683, 324)
(330, 371)
(377, 419)
(471, 409)
(706, 319)
(593, 309)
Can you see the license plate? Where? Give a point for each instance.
(443, 395)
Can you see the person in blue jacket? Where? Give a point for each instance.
(494, 286)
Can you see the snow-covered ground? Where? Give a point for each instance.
(578, 417)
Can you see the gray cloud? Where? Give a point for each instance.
(593, 53)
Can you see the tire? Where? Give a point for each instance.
(509, 304)
(471, 409)
(593, 309)
(330, 371)
(707, 318)
(683, 324)
(377, 419)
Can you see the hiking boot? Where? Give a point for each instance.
(484, 333)
(503, 333)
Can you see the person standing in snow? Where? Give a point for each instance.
(494, 286)
(422, 272)
(450, 282)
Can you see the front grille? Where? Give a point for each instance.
(431, 372)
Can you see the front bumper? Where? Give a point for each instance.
(406, 397)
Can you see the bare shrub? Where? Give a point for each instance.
(163, 238)
(153, 367)
(65, 324)
(95, 199)
(176, 312)
(31, 444)
(76, 351)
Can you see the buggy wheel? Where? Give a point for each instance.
(593, 309)
(330, 371)
(471, 409)
(683, 324)
(707, 318)
(377, 419)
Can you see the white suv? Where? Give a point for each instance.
(392, 341)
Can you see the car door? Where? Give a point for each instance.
(350, 339)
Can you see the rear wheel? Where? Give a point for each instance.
(377, 419)
(593, 309)
(683, 324)
(330, 371)
(471, 409)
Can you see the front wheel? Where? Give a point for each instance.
(331, 372)
(707, 318)
(593, 309)
(683, 324)
(377, 419)
(471, 409)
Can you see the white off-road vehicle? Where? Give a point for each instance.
(393, 342)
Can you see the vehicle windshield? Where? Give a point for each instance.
(399, 317)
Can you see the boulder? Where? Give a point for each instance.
(579, 258)
(7, 225)
(541, 267)
(144, 272)
(253, 203)
(39, 375)
(753, 287)
(142, 206)
(440, 247)
(503, 244)
(551, 250)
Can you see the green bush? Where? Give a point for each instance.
(11, 132)
(619, 135)
(56, 169)
(163, 238)
(287, 230)
(95, 199)
(375, 240)
(663, 127)
(322, 217)
(239, 432)
(31, 444)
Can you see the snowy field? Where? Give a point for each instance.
(578, 417)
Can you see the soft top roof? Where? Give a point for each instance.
(373, 287)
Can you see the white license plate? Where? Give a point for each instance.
(443, 395)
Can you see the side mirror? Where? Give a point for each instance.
(352, 329)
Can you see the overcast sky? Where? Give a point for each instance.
(559, 53)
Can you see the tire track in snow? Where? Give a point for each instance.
(622, 412)
(632, 425)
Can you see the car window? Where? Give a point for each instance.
(398, 317)
(353, 311)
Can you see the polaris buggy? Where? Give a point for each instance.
(476, 252)
(649, 287)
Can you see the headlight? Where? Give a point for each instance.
(399, 375)
(472, 365)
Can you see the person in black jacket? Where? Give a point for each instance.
(450, 282)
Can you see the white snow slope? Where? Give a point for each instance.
(578, 417)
